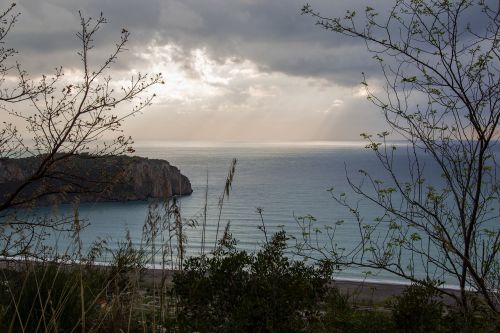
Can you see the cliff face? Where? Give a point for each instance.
(91, 179)
(144, 178)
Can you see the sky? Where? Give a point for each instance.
(234, 70)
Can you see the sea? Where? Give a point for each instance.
(276, 186)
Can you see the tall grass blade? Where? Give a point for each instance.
(225, 194)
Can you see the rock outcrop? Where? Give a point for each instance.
(87, 178)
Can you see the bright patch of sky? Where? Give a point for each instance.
(234, 70)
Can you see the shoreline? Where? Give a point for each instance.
(359, 291)
(362, 291)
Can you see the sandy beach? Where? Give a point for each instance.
(362, 292)
(359, 292)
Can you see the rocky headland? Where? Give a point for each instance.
(85, 178)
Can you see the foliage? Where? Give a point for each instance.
(234, 291)
(225, 290)
(62, 117)
(340, 315)
(441, 93)
(126, 260)
(46, 298)
(70, 292)
(418, 309)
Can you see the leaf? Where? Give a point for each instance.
(409, 79)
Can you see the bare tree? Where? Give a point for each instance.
(63, 119)
(442, 95)
(24, 88)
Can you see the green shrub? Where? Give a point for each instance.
(419, 309)
(233, 291)
(372, 321)
(338, 315)
(479, 319)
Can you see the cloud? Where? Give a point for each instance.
(247, 64)
(249, 104)
(271, 34)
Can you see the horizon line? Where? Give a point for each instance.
(237, 143)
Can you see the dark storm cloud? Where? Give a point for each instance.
(272, 34)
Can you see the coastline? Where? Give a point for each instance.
(364, 292)
(360, 291)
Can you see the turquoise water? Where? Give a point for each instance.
(286, 181)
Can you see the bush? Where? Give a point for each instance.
(418, 309)
(479, 319)
(233, 291)
(338, 315)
